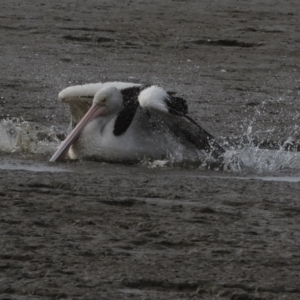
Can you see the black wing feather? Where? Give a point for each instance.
(176, 105)
(199, 137)
(130, 101)
(206, 141)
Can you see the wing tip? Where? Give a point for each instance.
(79, 91)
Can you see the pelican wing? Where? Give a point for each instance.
(130, 104)
(198, 136)
(88, 91)
(147, 97)
(155, 97)
(79, 98)
(188, 131)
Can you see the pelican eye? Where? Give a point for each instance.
(103, 100)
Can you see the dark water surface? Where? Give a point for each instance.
(86, 230)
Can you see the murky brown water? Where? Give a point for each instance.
(90, 230)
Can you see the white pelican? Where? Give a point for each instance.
(119, 122)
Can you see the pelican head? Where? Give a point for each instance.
(109, 98)
(107, 101)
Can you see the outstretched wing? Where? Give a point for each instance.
(198, 136)
(88, 91)
(156, 99)
(79, 92)
(79, 98)
(187, 131)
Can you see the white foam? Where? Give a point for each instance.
(23, 137)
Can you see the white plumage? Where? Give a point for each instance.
(119, 121)
(153, 97)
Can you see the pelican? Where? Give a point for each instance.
(121, 122)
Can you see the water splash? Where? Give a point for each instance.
(253, 150)
(244, 153)
(24, 137)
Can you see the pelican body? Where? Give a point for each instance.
(121, 122)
